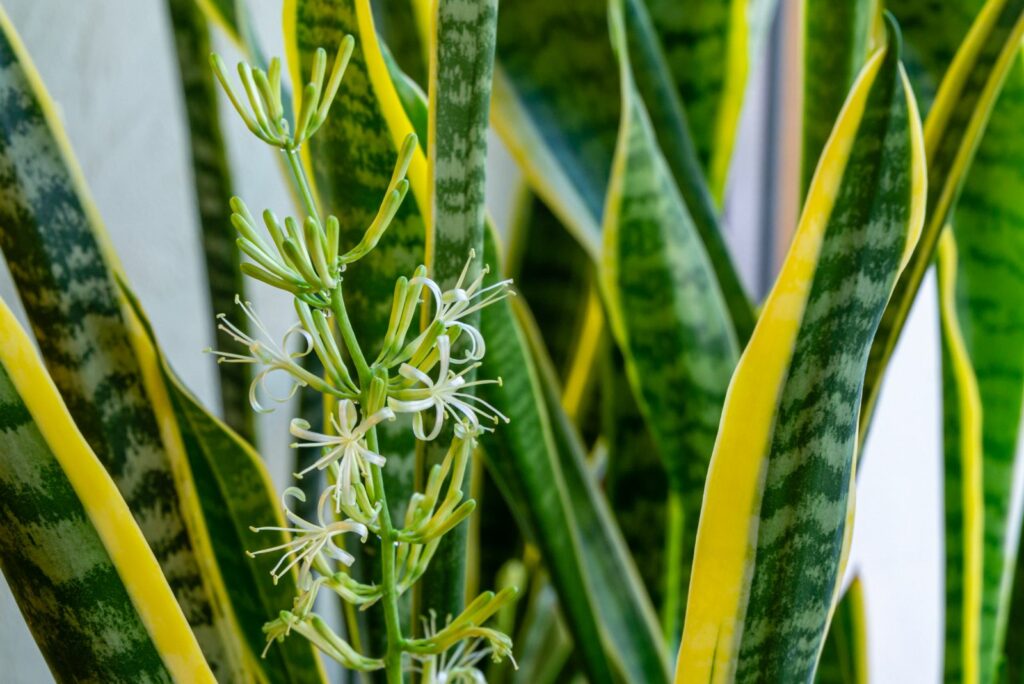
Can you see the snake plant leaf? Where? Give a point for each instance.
(779, 495)
(108, 371)
(87, 583)
(932, 32)
(979, 311)
(555, 277)
(667, 314)
(964, 507)
(844, 656)
(212, 181)
(954, 126)
(657, 89)
(399, 23)
(461, 49)
(838, 37)
(562, 138)
(988, 233)
(47, 226)
(709, 46)
(235, 493)
(540, 468)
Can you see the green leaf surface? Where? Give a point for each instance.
(235, 493)
(844, 656)
(837, 37)
(461, 68)
(955, 125)
(397, 21)
(654, 83)
(779, 495)
(709, 48)
(988, 231)
(667, 313)
(988, 227)
(212, 182)
(87, 584)
(540, 467)
(562, 137)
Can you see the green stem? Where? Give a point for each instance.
(348, 336)
(672, 606)
(389, 599)
(295, 166)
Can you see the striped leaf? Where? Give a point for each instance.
(398, 22)
(461, 50)
(108, 372)
(775, 527)
(656, 87)
(212, 179)
(954, 127)
(964, 507)
(980, 312)
(988, 229)
(844, 656)
(539, 465)
(562, 137)
(838, 37)
(709, 47)
(235, 494)
(88, 585)
(932, 32)
(668, 316)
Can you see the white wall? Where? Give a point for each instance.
(109, 63)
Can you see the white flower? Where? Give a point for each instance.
(447, 396)
(264, 352)
(309, 540)
(347, 447)
(462, 300)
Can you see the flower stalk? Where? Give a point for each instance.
(413, 373)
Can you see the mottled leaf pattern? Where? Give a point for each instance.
(563, 138)
(775, 525)
(235, 493)
(88, 586)
(837, 38)
(461, 68)
(844, 656)
(954, 127)
(656, 87)
(667, 313)
(543, 476)
(709, 46)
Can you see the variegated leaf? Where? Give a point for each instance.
(88, 585)
(778, 510)
(668, 316)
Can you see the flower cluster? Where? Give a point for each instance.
(424, 369)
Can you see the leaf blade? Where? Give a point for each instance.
(772, 496)
(73, 555)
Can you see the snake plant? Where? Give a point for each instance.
(573, 446)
